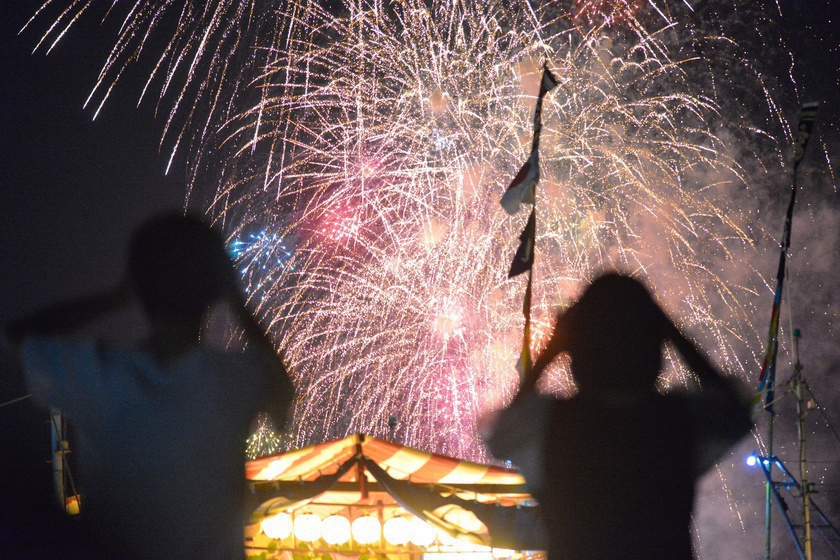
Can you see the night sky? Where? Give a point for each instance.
(72, 189)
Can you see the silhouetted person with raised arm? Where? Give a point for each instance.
(161, 427)
(619, 459)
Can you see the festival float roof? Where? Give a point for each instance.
(484, 505)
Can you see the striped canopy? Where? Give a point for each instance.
(482, 504)
(399, 461)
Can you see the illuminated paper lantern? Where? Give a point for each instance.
(421, 533)
(397, 530)
(447, 539)
(366, 530)
(308, 527)
(277, 527)
(336, 529)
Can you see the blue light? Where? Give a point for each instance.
(752, 460)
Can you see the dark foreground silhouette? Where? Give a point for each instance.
(615, 466)
(160, 427)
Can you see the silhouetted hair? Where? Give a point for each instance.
(614, 335)
(178, 266)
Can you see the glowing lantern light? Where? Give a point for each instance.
(366, 530)
(277, 527)
(396, 531)
(421, 533)
(71, 505)
(447, 539)
(336, 529)
(308, 527)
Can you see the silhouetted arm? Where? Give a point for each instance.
(694, 358)
(281, 391)
(557, 343)
(67, 316)
(722, 408)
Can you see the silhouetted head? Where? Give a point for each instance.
(614, 336)
(178, 266)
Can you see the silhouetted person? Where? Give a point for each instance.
(619, 460)
(161, 427)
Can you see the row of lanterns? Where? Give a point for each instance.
(337, 529)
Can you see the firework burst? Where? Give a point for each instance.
(376, 138)
(393, 132)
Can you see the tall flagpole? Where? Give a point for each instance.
(767, 379)
(523, 190)
(805, 486)
(526, 361)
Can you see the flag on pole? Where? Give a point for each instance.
(548, 83)
(524, 258)
(766, 380)
(521, 189)
(806, 125)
